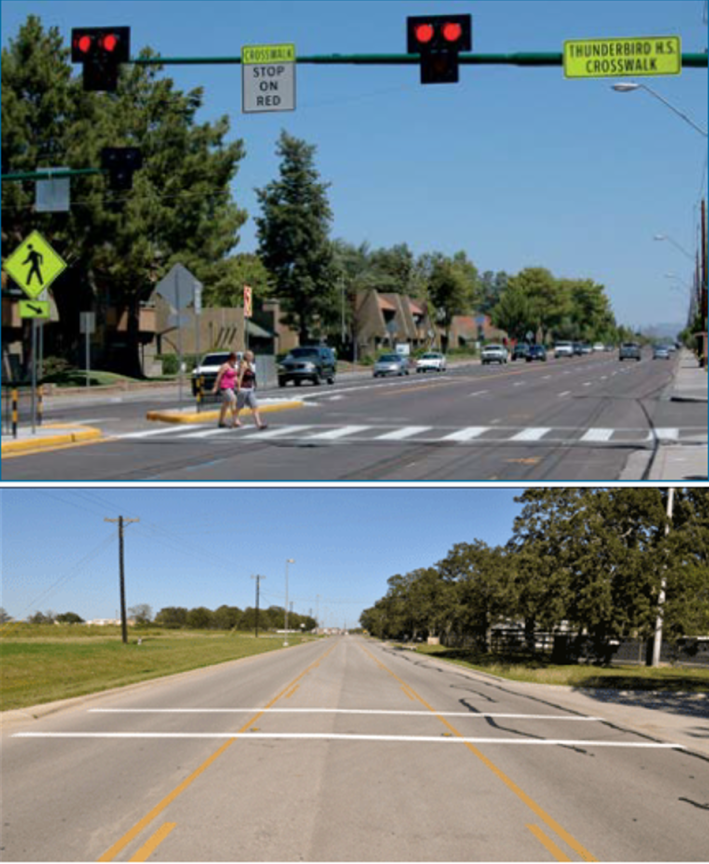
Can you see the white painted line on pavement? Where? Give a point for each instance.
(334, 434)
(171, 430)
(466, 434)
(598, 435)
(667, 434)
(565, 393)
(531, 434)
(333, 711)
(400, 434)
(280, 432)
(479, 393)
(210, 433)
(333, 736)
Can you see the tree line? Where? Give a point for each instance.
(181, 208)
(199, 618)
(590, 563)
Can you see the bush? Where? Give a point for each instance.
(57, 370)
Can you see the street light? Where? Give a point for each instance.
(288, 561)
(631, 86)
(675, 244)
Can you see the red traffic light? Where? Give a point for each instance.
(424, 34)
(438, 33)
(101, 50)
(110, 42)
(452, 32)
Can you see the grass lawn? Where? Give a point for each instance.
(44, 663)
(536, 670)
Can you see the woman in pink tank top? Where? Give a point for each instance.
(225, 384)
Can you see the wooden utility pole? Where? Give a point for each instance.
(124, 622)
(258, 581)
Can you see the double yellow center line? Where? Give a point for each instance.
(533, 806)
(127, 838)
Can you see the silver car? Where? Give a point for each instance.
(391, 364)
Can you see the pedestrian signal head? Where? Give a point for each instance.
(439, 39)
(101, 50)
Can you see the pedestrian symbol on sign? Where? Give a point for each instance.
(34, 265)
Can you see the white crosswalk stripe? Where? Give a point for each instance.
(334, 434)
(401, 434)
(466, 434)
(598, 435)
(278, 432)
(152, 433)
(530, 434)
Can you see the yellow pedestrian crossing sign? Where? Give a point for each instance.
(34, 309)
(34, 265)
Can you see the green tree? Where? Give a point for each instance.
(172, 617)
(200, 618)
(141, 613)
(69, 618)
(452, 285)
(118, 244)
(293, 240)
(4, 616)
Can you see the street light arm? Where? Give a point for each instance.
(672, 108)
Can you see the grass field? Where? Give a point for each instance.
(44, 663)
(537, 671)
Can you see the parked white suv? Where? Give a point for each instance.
(564, 349)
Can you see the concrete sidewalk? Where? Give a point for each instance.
(673, 462)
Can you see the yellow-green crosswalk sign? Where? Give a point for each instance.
(34, 309)
(34, 265)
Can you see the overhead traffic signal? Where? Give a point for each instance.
(439, 39)
(101, 50)
(121, 162)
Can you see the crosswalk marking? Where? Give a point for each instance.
(278, 432)
(532, 434)
(153, 432)
(466, 434)
(598, 435)
(400, 434)
(482, 435)
(334, 434)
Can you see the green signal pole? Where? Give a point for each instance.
(520, 59)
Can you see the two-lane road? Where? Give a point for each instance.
(580, 419)
(343, 749)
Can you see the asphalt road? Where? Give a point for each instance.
(343, 750)
(573, 419)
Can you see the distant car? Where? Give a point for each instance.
(493, 354)
(629, 351)
(308, 363)
(599, 346)
(537, 352)
(660, 352)
(564, 349)
(519, 352)
(585, 348)
(208, 369)
(431, 361)
(391, 364)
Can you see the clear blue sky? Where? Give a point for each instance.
(518, 167)
(199, 547)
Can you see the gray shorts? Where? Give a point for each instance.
(228, 396)
(246, 398)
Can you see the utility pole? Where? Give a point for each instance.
(657, 643)
(258, 581)
(124, 622)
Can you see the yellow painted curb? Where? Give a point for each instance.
(169, 417)
(85, 434)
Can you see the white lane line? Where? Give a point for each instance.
(400, 434)
(479, 393)
(466, 434)
(170, 430)
(565, 393)
(333, 736)
(280, 432)
(531, 434)
(598, 435)
(334, 434)
(332, 711)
